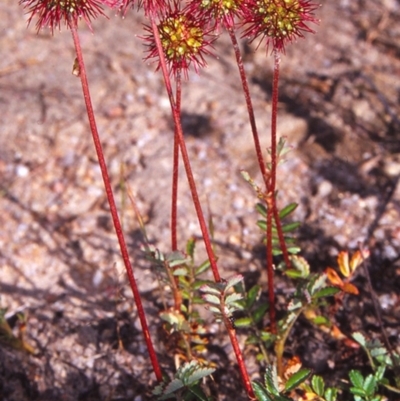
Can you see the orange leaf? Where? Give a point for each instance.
(350, 288)
(293, 365)
(343, 262)
(333, 277)
(357, 259)
(337, 334)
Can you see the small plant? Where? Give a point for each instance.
(179, 37)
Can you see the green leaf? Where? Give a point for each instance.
(261, 209)
(253, 295)
(212, 299)
(287, 210)
(360, 338)
(231, 282)
(326, 292)
(210, 290)
(370, 385)
(301, 265)
(380, 373)
(198, 393)
(260, 392)
(294, 250)
(173, 386)
(356, 378)
(202, 268)
(331, 394)
(271, 380)
(358, 391)
(234, 297)
(317, 283)
(259, 312)
(321, 320)
(262, 224)
(297, 378)
(243, 322)
(190, 247)
(287, 228)
(318, 385)
(199, 374)
(180, 271)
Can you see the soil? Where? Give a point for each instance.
(59, 259)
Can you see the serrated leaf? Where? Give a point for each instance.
(291, 207)
(301, 265)
(326, 292)
(356, 378)
(369, 385)
(243, 322)
(210, 290)
(318, 385)
(260, 392)
(343, 262)
(253, 295)
(234, 297)
(231, 282)
(199, 374)
(297, 378)
(317, 284)
(259, 312)
(212, 299)
(173, 386)
(360, 338)
(271, 380)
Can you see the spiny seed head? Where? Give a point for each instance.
(183, 40)
(279, 21)
(217, 11)
(51, 13)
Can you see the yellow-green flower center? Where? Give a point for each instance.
(280, 17)
(179, 38)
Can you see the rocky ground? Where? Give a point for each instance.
(59, 259)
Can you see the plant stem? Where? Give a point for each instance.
(175, 171)
(185, 156)
(249, 104)
(111, 201)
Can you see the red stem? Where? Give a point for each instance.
(250, 109)
(111, 201)
(185, 155)
(239, 357)
(175, 171)
(271, 195)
